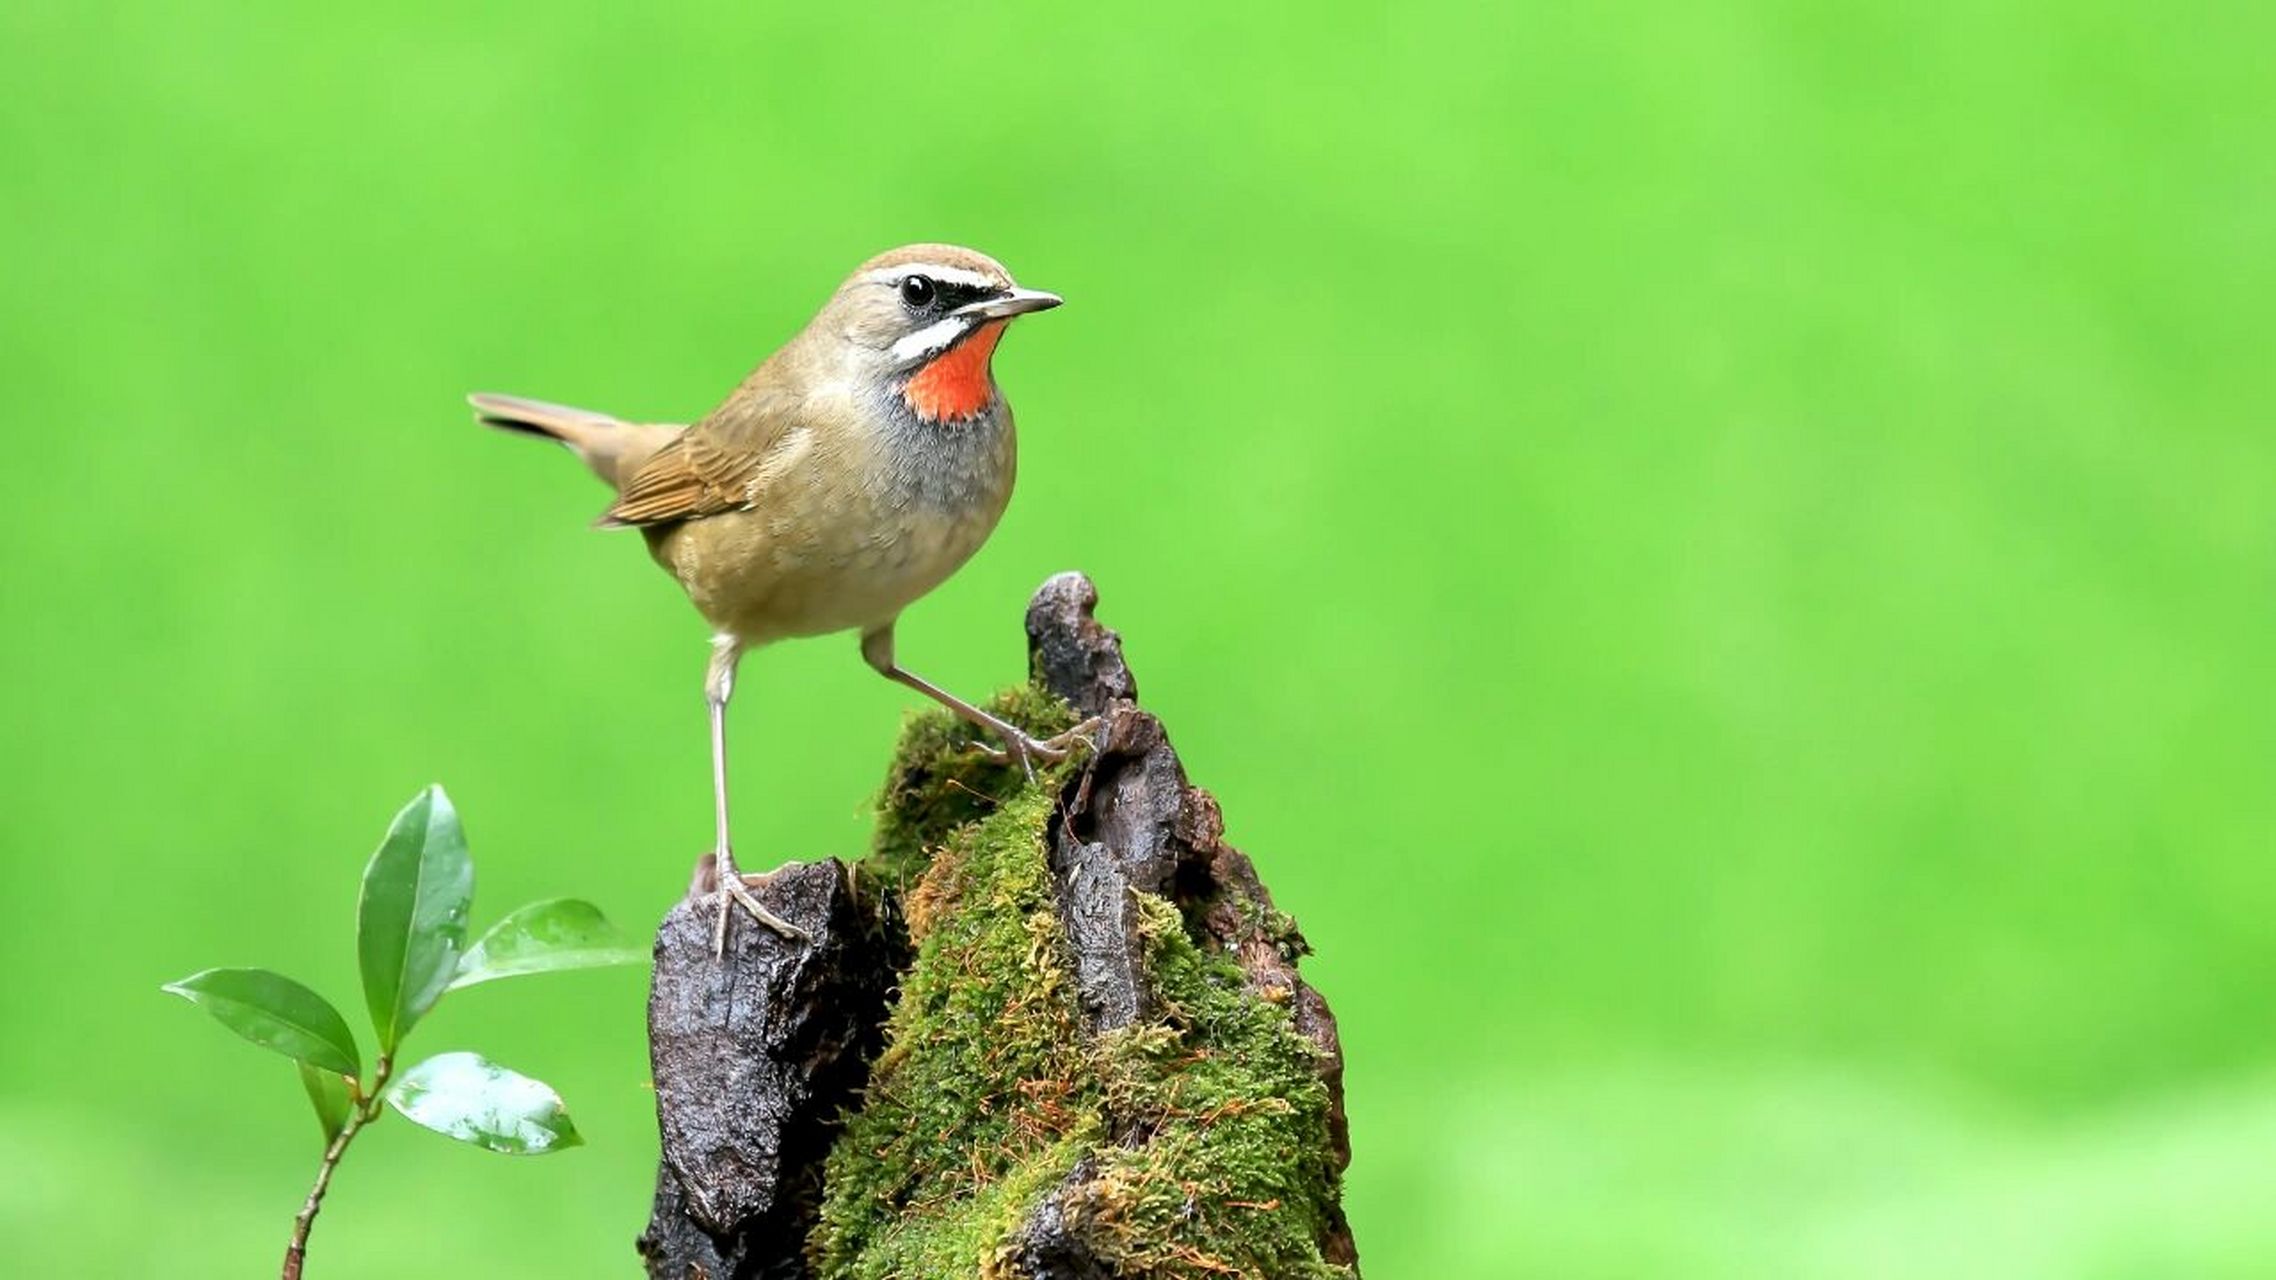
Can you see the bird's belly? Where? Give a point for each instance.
(764, 576)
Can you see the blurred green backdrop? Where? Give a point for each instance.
(1718, 556)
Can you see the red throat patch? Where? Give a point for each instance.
(957, 384)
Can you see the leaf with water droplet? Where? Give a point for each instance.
(468, 1097)
(544, 937)
(411, 919)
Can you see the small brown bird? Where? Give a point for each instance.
(851, 473)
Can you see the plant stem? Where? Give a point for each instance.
(366, 1111)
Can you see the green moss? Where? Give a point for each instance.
(982, 1098)
(941, 779)
(1208, 1129)
(1234, 1176)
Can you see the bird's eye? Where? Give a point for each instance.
(917, 291)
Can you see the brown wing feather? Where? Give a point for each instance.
(713, 466)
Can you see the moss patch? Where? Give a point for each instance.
(1207, 1129)
(941, 780)
(1233, 1175)
(980, 1101)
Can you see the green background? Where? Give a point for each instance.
(1719, 557)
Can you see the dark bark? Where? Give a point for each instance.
(753, 1055)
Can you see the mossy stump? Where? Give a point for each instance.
(1048, 1028)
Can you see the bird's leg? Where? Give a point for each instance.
(877, 650)
(726, 651)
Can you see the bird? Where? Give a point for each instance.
(849, 474)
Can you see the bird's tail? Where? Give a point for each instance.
(611, 447)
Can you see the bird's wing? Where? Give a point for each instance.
(719, 464)
(689, 477)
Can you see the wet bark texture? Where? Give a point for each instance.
(753, 1055)
(755, 1058)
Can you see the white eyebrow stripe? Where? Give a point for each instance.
(945, 275)
(933, 337)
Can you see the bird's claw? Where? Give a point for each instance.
(1028, 750)
(732, 888)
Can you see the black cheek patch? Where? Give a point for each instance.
(953, 296)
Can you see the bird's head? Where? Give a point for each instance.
(924, 320)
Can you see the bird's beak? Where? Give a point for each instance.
(1016, 302)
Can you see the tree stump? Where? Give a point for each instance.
(1049, 1028)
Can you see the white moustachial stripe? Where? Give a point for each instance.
(932, 338)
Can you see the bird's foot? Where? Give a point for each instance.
(732, 888)
(1029, 750)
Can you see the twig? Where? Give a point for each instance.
(366, 1110)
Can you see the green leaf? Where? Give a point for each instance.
(468, 1097)
(274, 1012)
(328, 1093)
(411, 921)
(561, 933)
